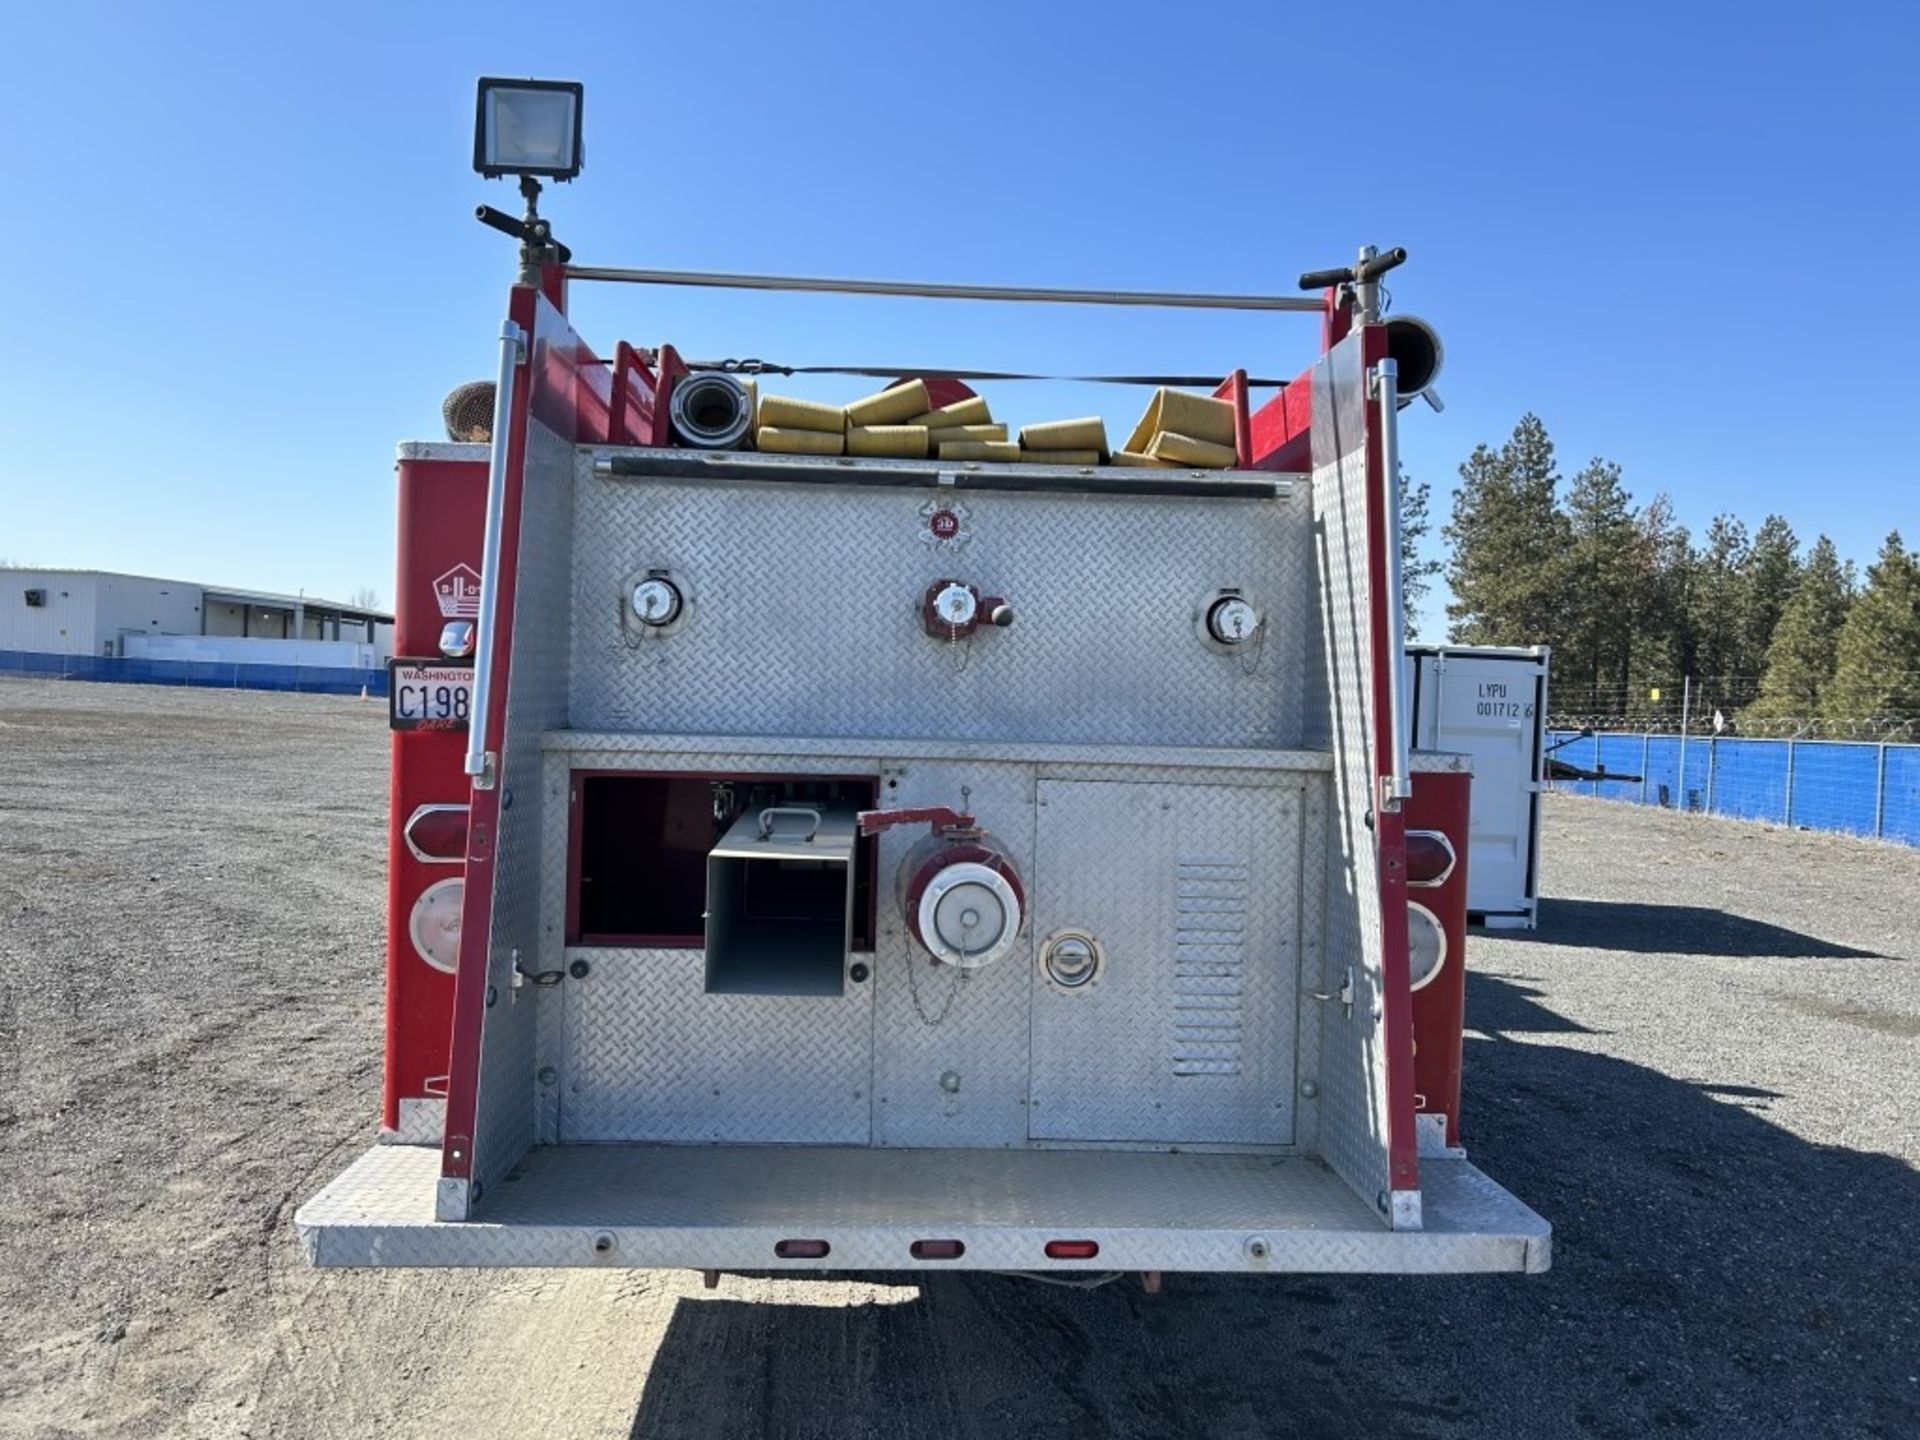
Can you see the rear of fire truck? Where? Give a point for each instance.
(821, 862)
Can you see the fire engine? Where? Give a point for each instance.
(808, 860)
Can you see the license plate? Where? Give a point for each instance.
(429, 697)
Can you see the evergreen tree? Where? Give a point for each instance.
(1876, 674)
(1509, 540)
(1416, 571)
(1661, 645)
(1601, 574)
(1800, 658)
(1771, 573)
(1716, 614)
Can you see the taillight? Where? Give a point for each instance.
(437, 833)
(435, 924)
(937, 1249)
(1426, 944)
(1072, 1249)
(1430, 857)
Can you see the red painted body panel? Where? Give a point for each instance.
(1440, 801)
(635, 398)
(442, 509)
(1281, 431)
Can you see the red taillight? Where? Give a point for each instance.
(1429, 857)
(937, 1249)
(438, 833)
(1072, 1249)
(800, 1249)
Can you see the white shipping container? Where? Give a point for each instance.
(1490, 702)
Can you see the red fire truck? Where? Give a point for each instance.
(822, 862)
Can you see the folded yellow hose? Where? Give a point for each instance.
(890, 407)
(1181, 412)
(1185, 450)
(786, 414)
(899, 442)
(786, 441)
(1061, 457)
(1087, 434)
(970, 411)
(1128, 460)
(954, 433)
(980, 450)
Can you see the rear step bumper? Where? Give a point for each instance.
(727, 1208)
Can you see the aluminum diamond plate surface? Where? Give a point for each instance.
(1353, 1100)
(950, 1046)
(649, 1055)
(621, 1207)
(804, 614)
(1187, 1032)
(504, 1119)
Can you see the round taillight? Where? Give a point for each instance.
(1426, 944)
(435, 924)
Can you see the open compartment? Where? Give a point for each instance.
(638, 854)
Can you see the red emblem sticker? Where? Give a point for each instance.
(944, 524)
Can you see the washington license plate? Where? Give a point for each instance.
(429, 697)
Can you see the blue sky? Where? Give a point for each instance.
(243, 263)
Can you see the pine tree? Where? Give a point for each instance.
(1716, 614)
(1768, 580)
(1601, 575)
(1800, 659)
(1661, 644)
(1876, 677)
(1417, 572)
(1508, 541)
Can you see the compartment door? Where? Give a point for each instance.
(1188, 1032)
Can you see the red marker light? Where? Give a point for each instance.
(1429, 857)
(937, 1249)
(801, 1249)
(1072, 1249)
(437, 833)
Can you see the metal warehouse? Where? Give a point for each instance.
(101, 625)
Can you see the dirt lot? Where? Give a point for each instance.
(1702, 1069)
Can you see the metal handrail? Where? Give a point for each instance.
(513, 342)
(1397, 784)
(1173, 300)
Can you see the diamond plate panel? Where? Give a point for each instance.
(950, 1046)
(1193, 890)
(804, 614)
(1353, 1101)
(649, 1055)
(504, 1120)
(620, 1207)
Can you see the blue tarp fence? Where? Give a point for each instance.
(1857, 787)
(318, 679)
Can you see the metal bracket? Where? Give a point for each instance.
(1344, 994)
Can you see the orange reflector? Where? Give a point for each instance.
(937, 1249)
(438, 832)
(1072, 1249)
(800, 1249)
(1429, 857)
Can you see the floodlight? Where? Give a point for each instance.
(528, 127)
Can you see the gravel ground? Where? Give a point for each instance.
(1701, 1069)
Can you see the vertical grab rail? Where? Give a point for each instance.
(1397, 785)
(513, 344)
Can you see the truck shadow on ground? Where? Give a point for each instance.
(1713, 1274)
(1651, 929)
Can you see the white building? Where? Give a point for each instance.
(96, 615)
